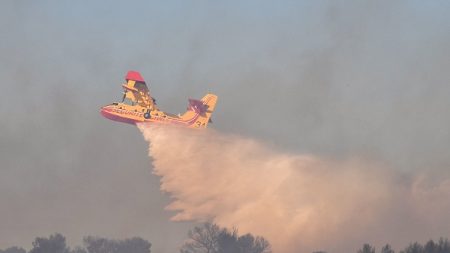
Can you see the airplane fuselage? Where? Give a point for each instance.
(136, 114)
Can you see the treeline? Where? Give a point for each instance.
(441, 246)
(57, 244)
(207, 238)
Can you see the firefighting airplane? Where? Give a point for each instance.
(138, 106)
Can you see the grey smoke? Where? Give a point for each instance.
(331, 78)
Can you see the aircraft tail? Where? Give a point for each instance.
(203, 107)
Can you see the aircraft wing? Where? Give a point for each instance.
(137, 91)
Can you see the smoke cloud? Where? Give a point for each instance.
(299, 202)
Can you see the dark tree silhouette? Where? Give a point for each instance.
(443, 246)
(103, 245)
(227, 242)
(54, 244)
(413, 248)
(387, 249)
(210, 238)
(367, 248)
(13, 250)
(203, 239)
(78, 250)
(430, 247)
(248, 243)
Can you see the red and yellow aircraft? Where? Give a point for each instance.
(138, 106)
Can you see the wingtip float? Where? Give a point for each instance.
(138, 106)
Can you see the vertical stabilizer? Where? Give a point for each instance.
(203, 108)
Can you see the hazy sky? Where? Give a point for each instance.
(330, 78)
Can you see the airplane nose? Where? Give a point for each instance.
(103, 110)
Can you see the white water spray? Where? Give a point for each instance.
(300, 203)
